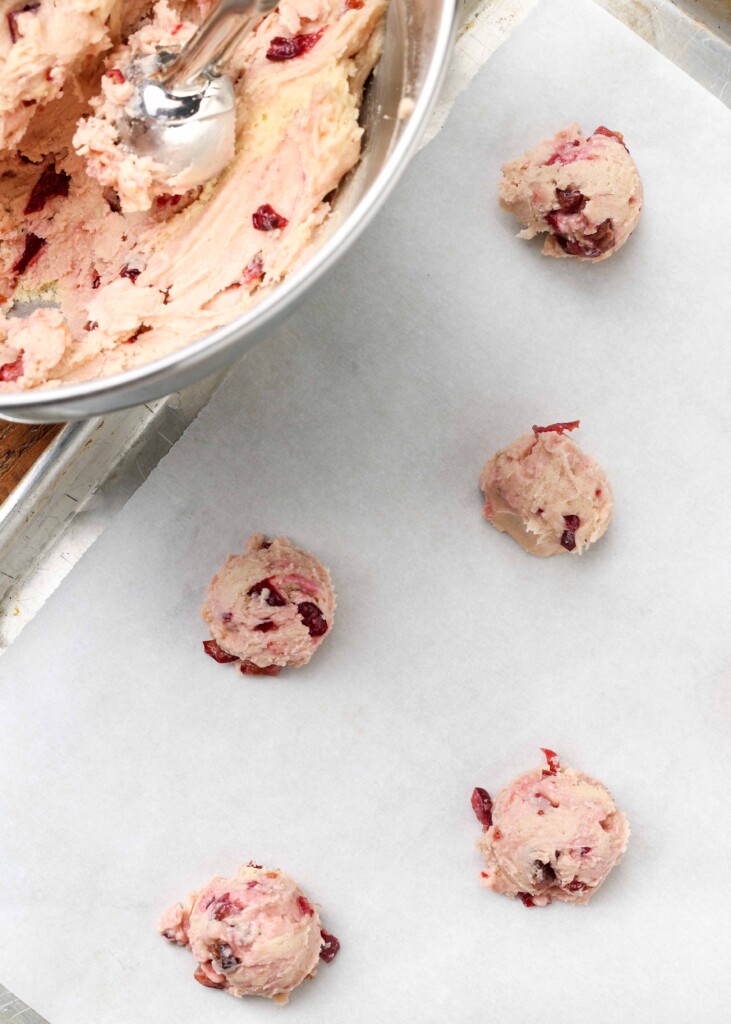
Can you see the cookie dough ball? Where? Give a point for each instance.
(253, 935)
(268, 607)
(546, 493)
(584, 191)
(554, 833)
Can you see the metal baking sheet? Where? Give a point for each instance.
(360, 429)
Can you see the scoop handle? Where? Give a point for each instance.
(214, 42)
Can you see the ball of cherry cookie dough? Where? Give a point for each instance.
(269, 607)
(554, 833)
(546, 493)
(253, 935)
(584, 191)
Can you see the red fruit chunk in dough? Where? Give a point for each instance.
(482, 806)
(266, 218)
(313, 618)
(330, 947)
(554, 765)
(558, 428)
(282, 48)
(11, 371)
(218, 654)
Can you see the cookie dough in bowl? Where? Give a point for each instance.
(157, 286)
(256, 934)
(138, 268)
(269, 607)
(547, 493)
(553, 833)
(583, 191)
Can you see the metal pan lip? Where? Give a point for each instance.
(207, 354)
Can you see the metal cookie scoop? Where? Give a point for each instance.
(182, 114)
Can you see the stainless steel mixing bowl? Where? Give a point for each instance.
(416, 52)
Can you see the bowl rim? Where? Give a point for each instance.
(192, 357)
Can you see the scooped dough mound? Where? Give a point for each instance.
(584, 191)
(554, 833)
(269, 607)
(546, 493)
(253, 935)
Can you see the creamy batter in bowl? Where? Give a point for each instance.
(416, 45)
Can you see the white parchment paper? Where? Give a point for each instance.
(132, 768)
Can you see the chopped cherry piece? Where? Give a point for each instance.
(264, 545)
(225, 956)
(568, 540)
(281, 48)
(482, 806)
(526, 899)
(265, 627)
(248, 668)
(33, 245)
(354, 5)
(576, 886)
(96, 279)
(601, 130)
(11, 371)
(218, 654)
(227, 617)
(131, 272)
(313, 618)
(201, 976)
(225, 906)
(570, 200)
(585, 850)
(592, 245)
(554, 765)
(274, 599)
(572, 522)
(116, 76)
(330, 947)
(305, 906)
(51, 183)
(13, 19)
(484, 874)
(266, 218)
(558, 428)
(496, 834)
(91, 325)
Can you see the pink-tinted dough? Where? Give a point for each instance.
(552, 836)
(256, 934)
(270, 606)
(134, 284)
(40, 45)
(546, 493)
(585, 191)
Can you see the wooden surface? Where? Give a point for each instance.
(20, 446)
